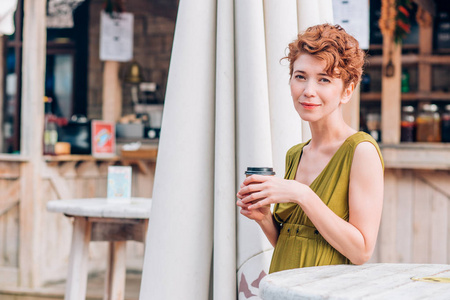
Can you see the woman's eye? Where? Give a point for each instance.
(299, 77)
(324, 80)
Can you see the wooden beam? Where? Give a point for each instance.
(103, 167)
(9, 170)
(32, 116)
(436, 179)
(425, 48)
(2, 88)
(10, 197)
(58, 183)
(67, 169)
(112, 92)
(88, 169)
(351, 109)
(391, 93)
(9, 276)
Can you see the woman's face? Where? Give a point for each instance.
(316, 95)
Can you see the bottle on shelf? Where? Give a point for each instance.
(50, 128)
(408, 124)
(445, 124)
(405, 81)
(428, 124)
(365, 83)
(373, 123)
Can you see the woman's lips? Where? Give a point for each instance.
(309, 105)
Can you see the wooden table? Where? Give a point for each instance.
(369, 281)
(96, 219)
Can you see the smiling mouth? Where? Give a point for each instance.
(309, 105)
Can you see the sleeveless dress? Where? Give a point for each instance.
(299, 243)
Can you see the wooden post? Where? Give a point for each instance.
(2, 87)
(112, 92)
(391, 92)
(351, 109)
(32, 114)
(425, 48)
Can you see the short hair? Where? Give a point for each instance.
(331, 43)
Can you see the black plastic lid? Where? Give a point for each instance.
(259, 171)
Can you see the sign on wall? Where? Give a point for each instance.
(353, 16)
(103, 135)
(116, 36)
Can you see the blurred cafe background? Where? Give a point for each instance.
(66, 65)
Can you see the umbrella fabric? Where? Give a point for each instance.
(7, 9)
(227, 107)
(178, 252)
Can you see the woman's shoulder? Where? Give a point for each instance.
(294, 150)
(363, 144)
(360, 137)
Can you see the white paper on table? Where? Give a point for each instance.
(116, 36)
(353, 16)
(119, 184)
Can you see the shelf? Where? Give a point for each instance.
(412, 59)
(431, 156)
(433, 96)
(147, 153)
(121, 140)
(77, 157)
(13, 157)
(404, 47)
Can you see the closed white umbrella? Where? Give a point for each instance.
(254, 147)
(180, 233)
(227, 107)
(224, 269)
(267, 123)
(7, 9)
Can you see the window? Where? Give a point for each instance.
(65, 79)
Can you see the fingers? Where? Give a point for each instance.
(255, 179)
(258, 204)
(246, 191)
(242, 205)
(253, 197)
(249, 189)
(251, 214)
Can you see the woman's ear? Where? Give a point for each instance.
(347, 93)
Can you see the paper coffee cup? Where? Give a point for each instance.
(259, 171)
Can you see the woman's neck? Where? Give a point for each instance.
(325, 135)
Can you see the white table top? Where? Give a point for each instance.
(138, 208)
(369, 281)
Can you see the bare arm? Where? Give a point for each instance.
(264, 218)
(270, 229)
(354, 239)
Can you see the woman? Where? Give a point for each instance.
(328, 208)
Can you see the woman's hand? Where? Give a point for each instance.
(258, 214)
(259, 191)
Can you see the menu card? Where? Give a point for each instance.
(119, 184)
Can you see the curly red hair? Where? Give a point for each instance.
(332, 44)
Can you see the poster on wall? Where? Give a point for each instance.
(344, 14)
(103, 139)
(116, 36)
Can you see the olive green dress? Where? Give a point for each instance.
(299, 243)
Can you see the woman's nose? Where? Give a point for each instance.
(310, 89)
